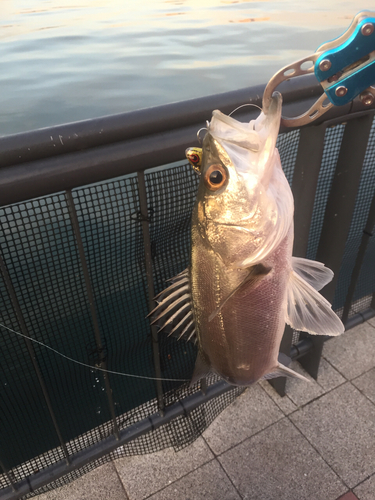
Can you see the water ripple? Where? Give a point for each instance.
(63, 62)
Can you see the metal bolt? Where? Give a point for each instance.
(367, 98)
(333, 78)
(367, 29)
(325, 65)
(341, 91)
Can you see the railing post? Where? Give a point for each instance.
(31, 351)
(94, 316)
(366, 235)
(150, 285)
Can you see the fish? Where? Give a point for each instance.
(243, 284)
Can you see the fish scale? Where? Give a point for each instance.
(249, 328)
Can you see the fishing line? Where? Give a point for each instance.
(199, 131)
(243, 105)
(94, 367)
(231, 113)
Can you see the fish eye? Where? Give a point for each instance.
(215, 177)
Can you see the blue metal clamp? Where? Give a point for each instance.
(345, 68)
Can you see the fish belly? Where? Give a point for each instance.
(241, 343)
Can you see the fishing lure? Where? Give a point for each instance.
(194, 155)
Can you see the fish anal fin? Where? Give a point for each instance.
(309, 311)
(255, 275)
(283, 371)
(202, 368)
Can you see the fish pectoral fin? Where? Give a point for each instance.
(283, 371)
(315, 273)
(202, 368)
(255, 275)
(309, 311)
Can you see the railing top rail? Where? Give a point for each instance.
(62, 139)
(63, 157)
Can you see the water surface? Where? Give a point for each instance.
(63, 62)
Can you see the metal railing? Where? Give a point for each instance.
(326, 163)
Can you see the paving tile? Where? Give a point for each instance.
(328, 376)
(341, 426)
(366, 490)
(209, 482)
(348, 496)
(301, 392)
(280, 464)
(101, 483)
(248, 414)
(146, 474)
(353, 352)
(372, 322)
(366, 384)
(285, 404)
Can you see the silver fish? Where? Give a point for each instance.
(243, 284)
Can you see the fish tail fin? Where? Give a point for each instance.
(284, 371)
(202, 368)
(284, 359)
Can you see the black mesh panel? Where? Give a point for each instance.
(41, 253)
(332, 144)
(366, 191)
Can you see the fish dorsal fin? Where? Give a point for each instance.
(255, 275)
(173, 314)
(309, 311)
(315, 273)
(283, 371)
